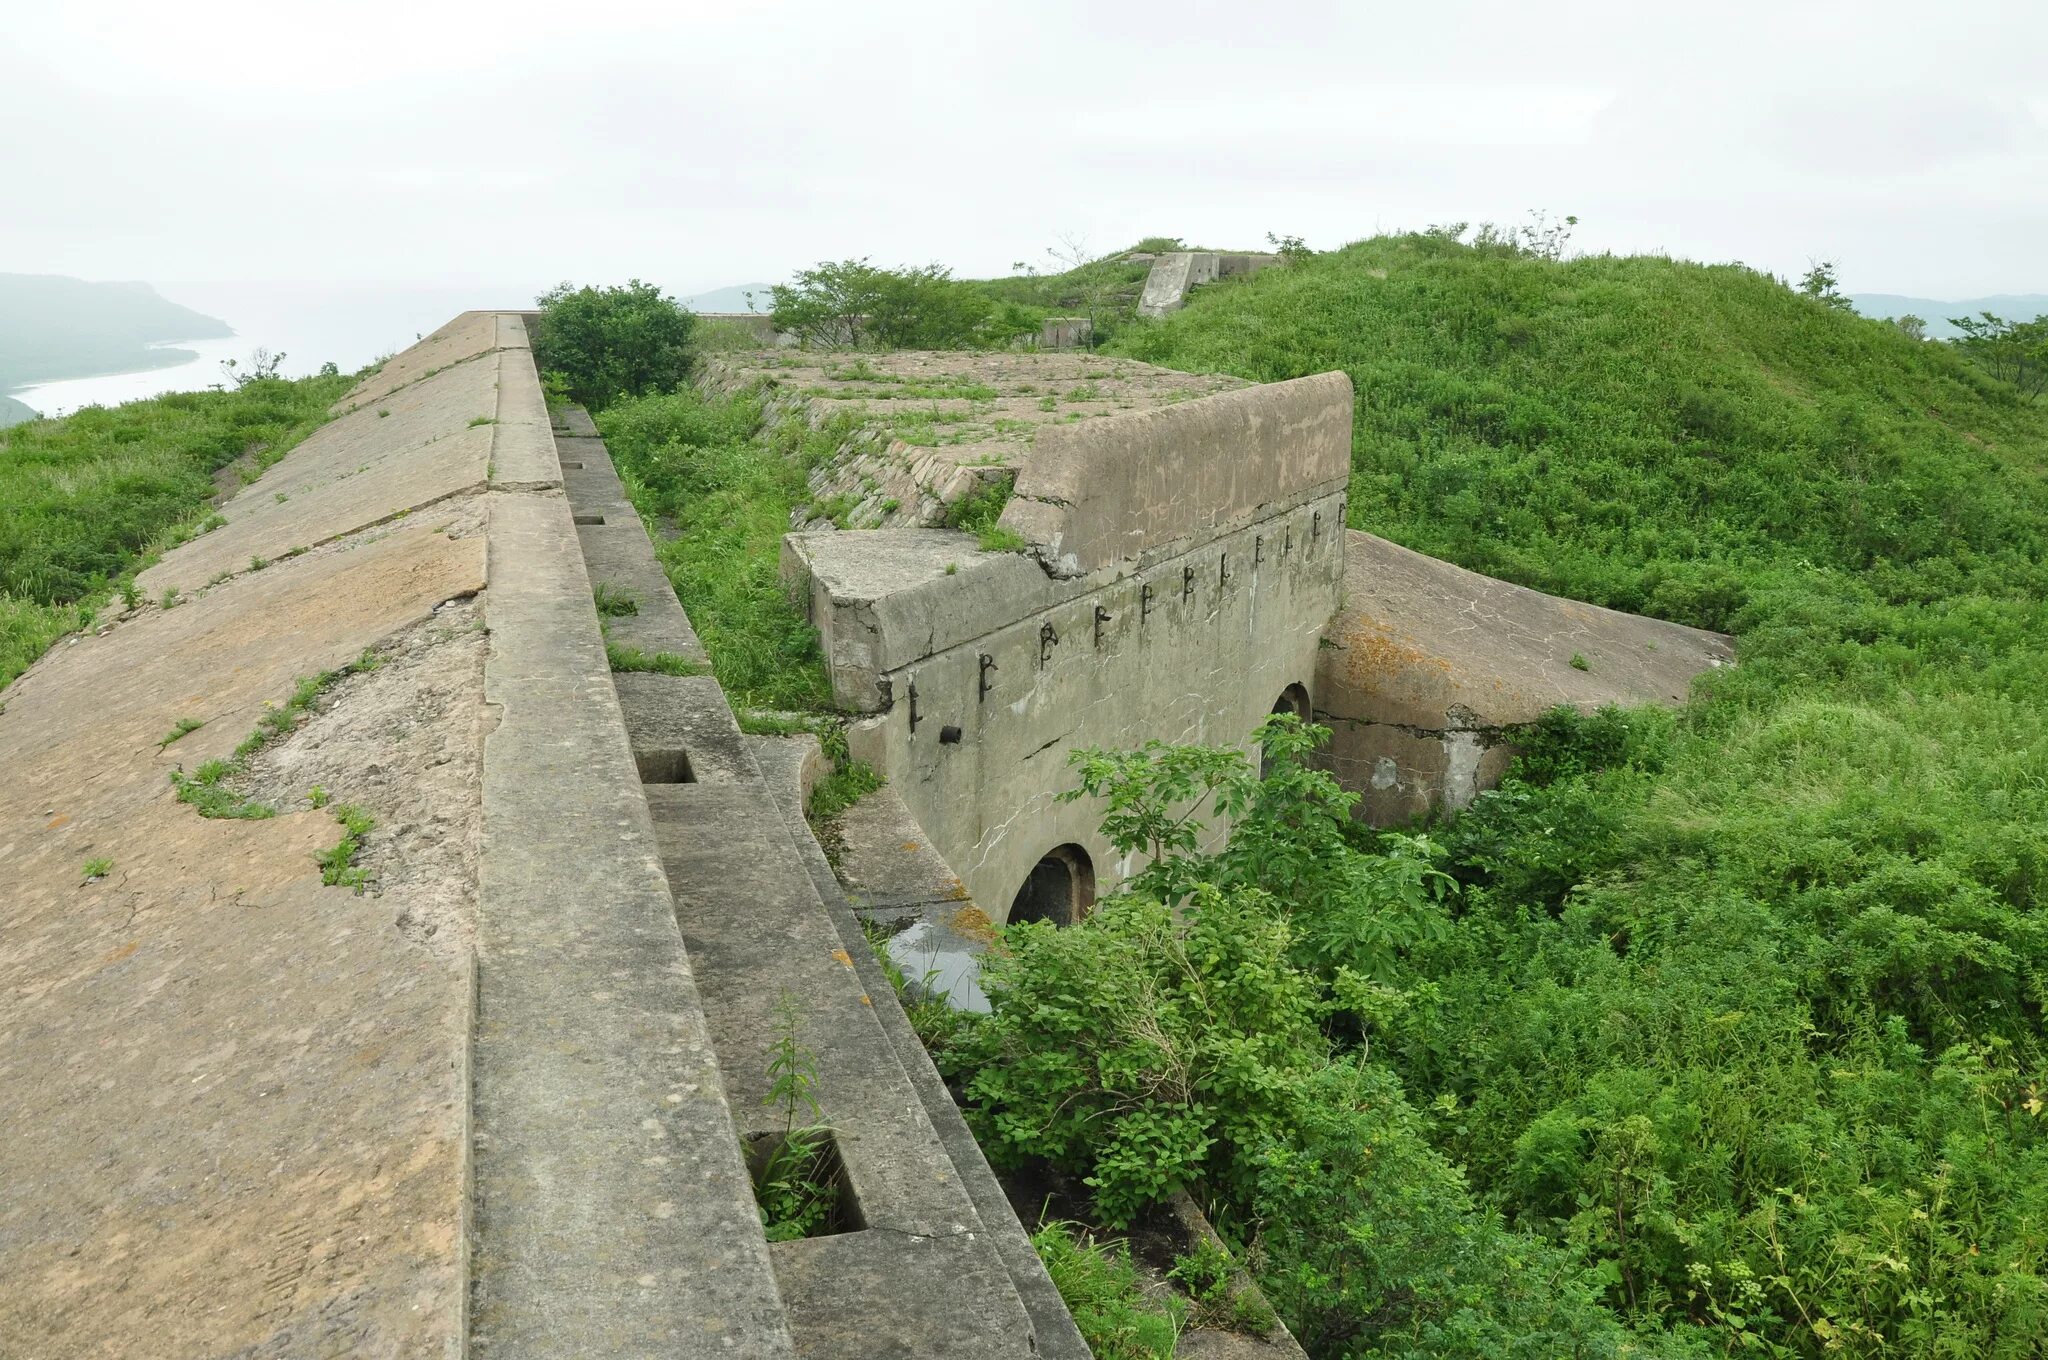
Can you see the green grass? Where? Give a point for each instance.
(706, 466)
(91, 498)
(338, 868)
(182, 728)
(207, 789)
(613, 603)
(660, 663)
(97, 868)
(1742, 1009)
(1100, 1287)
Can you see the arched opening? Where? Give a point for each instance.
(1293, 699)
(1060, 888)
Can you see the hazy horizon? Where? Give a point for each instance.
(700, 146)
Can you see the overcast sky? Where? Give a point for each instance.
(512, 144)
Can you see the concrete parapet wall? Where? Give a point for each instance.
(1130, 487)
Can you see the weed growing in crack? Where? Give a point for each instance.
(338, 868)
(98, 868)
(793, 1184)
(660, 663)
(184, 727)
(613, 603)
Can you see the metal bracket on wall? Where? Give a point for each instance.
(1315, 524)
(1102, 616)
(1144, 603)
(1048, 638)
(1223, 570)
(914, 718)
(1288, 546)
(886, 687)
(988, 663)
(1258, 549)
(1187, 582)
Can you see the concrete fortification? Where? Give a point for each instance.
(506, 1100)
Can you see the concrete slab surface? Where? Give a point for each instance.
(234, 1098)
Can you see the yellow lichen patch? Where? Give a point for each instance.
(845, 959)
(973, 922)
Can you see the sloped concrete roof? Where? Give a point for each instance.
(1418, 638)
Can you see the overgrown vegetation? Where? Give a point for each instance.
(1710, 1032)
(623, 658)
(92, 498)
(1100, 1286)
(717, 492)
(978, 513)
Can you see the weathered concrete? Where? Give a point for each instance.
(1150, 483)
(1196, 647)
(1177, 273)
(614, 1212)
(933, 1278)
(936, 426)
(787, 765)
(1428, 663)
(1066, 332)
(235, 1098)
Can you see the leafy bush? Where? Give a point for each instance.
(1182, 1037)
(603, 343)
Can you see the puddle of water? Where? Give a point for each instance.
(937, 960)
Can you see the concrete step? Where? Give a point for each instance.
(791, 765)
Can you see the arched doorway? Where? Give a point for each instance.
(1293, 699)
(1060, 888)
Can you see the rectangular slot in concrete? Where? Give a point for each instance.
(828, 1169)
(670, 766)
(590, 519)
(572, 467)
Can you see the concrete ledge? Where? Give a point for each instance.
(614, 1214)
(1130, 487)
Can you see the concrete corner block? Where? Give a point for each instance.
(1119, 487)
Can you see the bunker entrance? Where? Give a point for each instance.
(1060, 888)
(1293, 699)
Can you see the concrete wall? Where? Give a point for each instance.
(1176, 274)
(1153, 482)
(1197, 562)
(1429, 665)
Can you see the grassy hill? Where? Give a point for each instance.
(1743, 1011)
(54, 327)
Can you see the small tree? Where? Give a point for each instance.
(1915, 327)
(2012, 351)
(1818, 283)
(602, 343)
(262, 365)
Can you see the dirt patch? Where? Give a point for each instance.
(403, 741)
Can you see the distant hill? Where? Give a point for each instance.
(733, 299)
(13, 412)
(53, 327)
(2011, 306)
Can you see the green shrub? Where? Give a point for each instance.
(604, 343)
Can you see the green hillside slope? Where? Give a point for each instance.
(1745, 1010)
